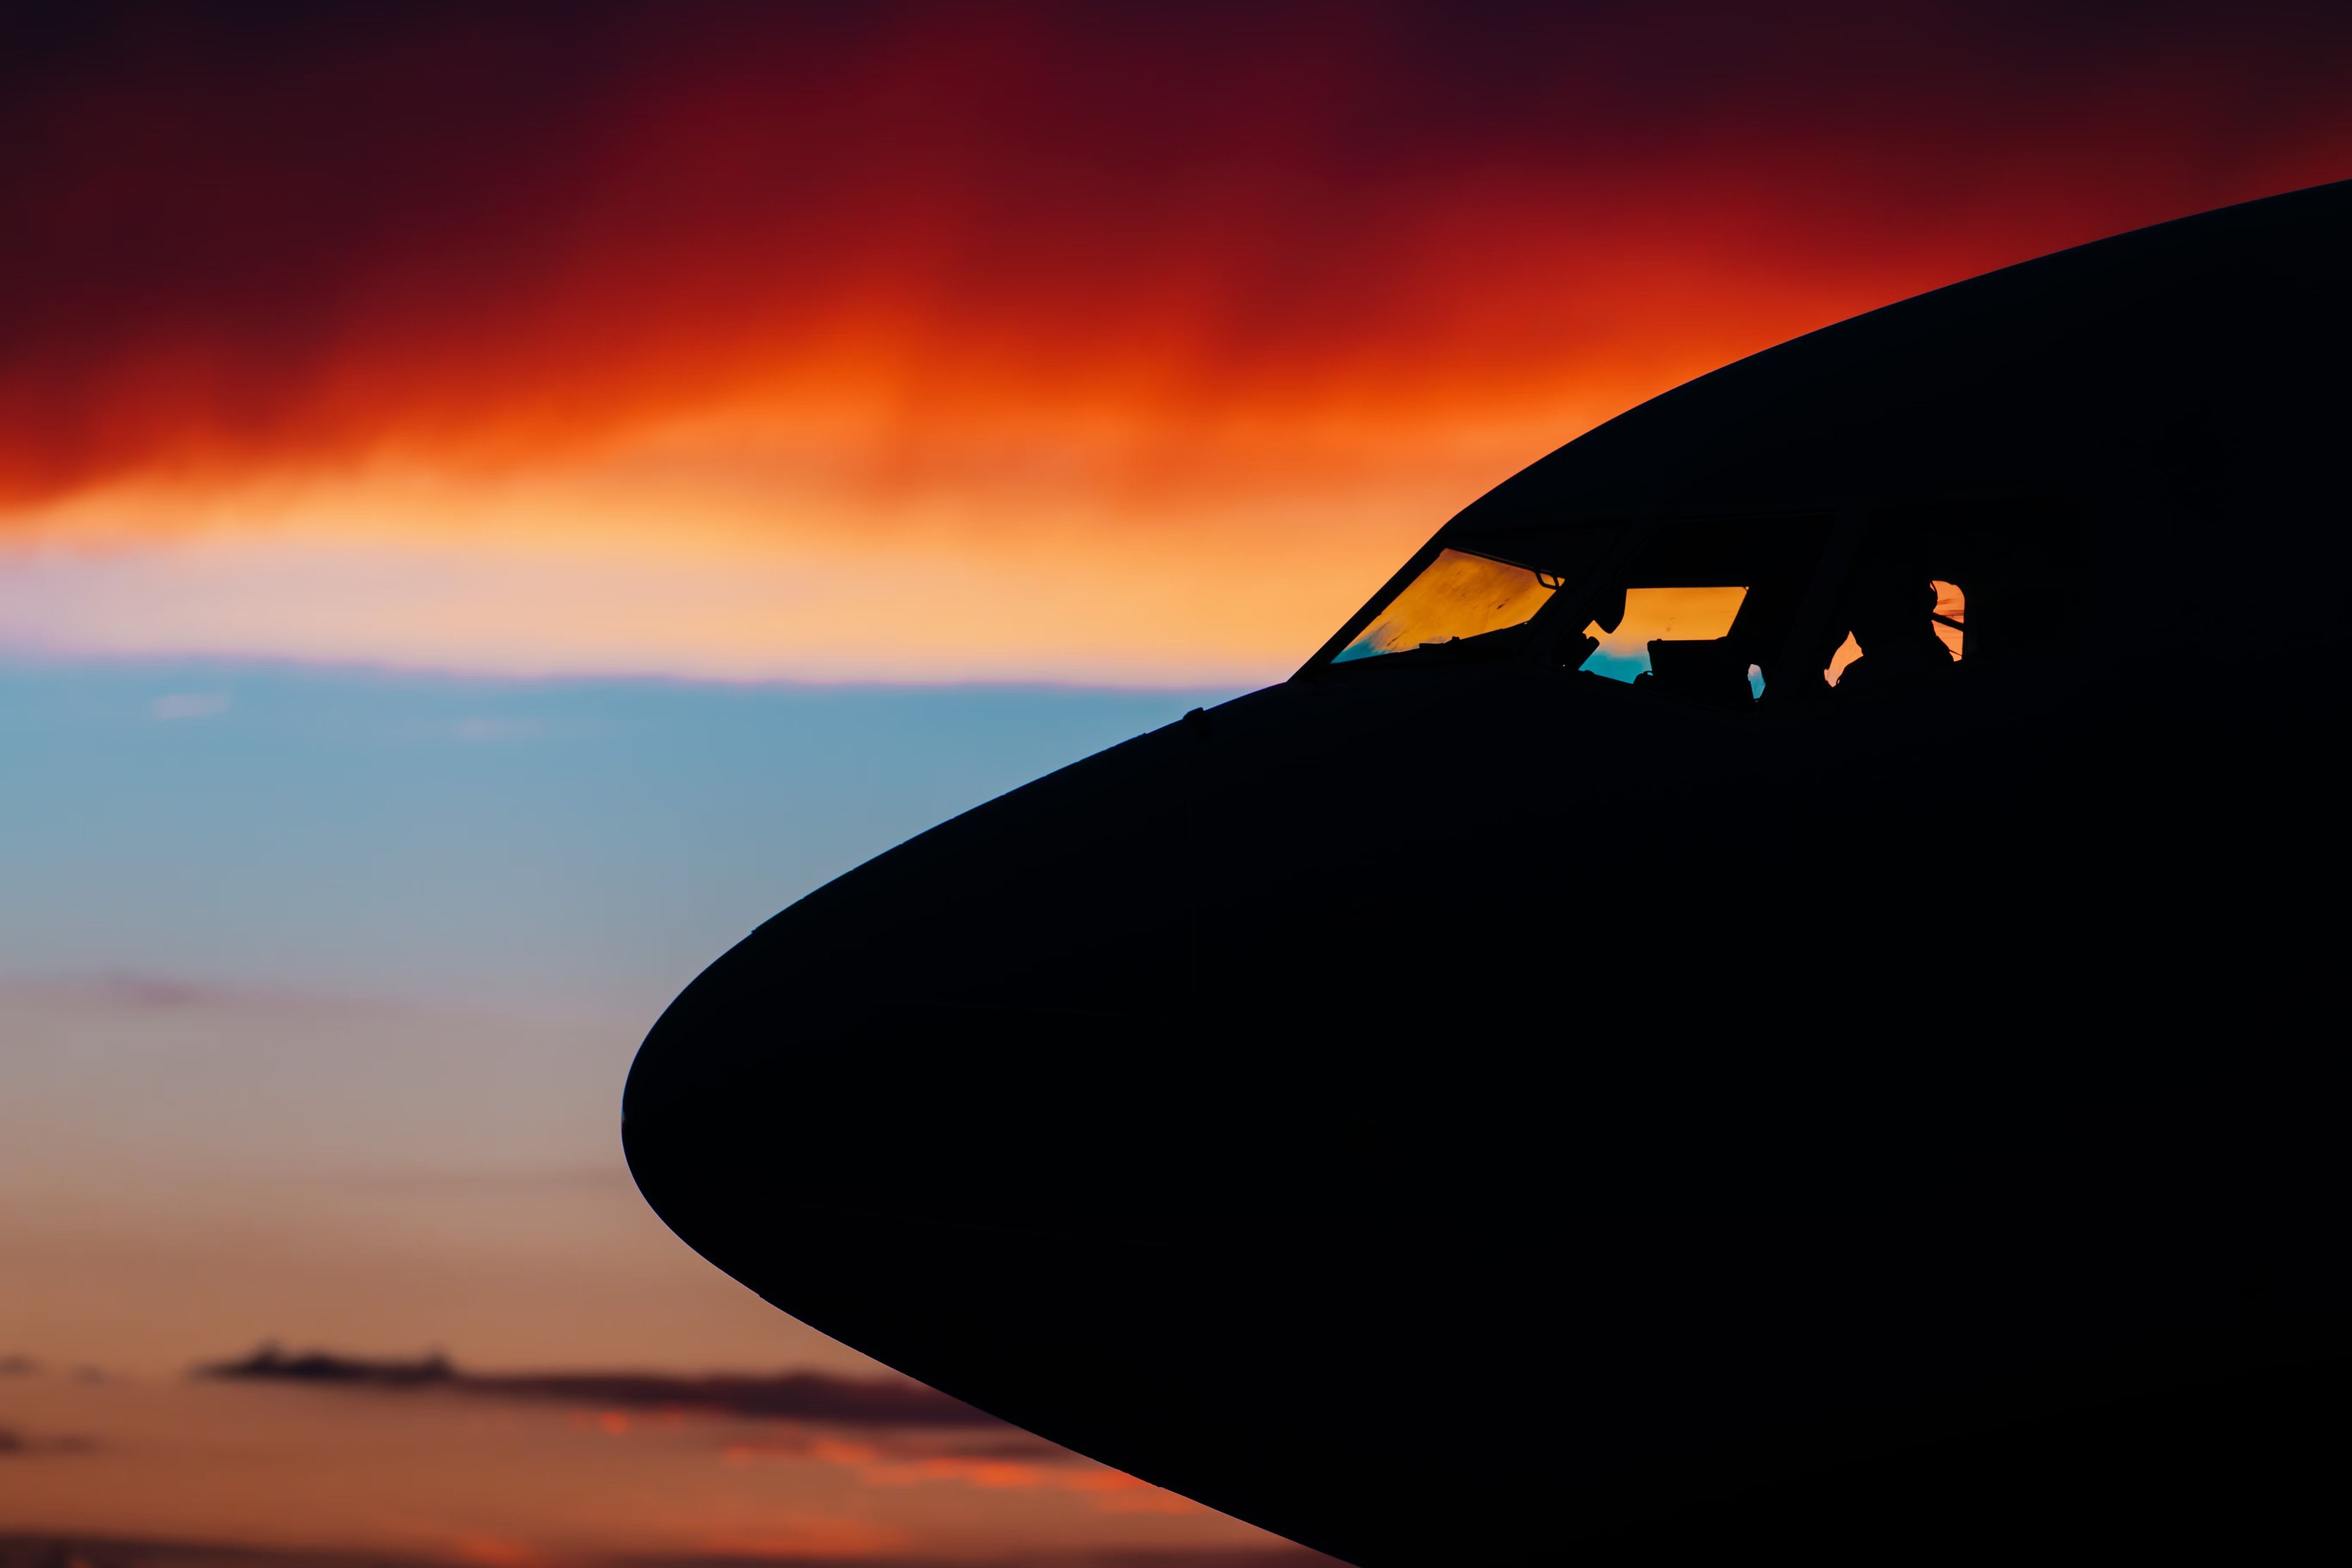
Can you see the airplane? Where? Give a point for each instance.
(1771, 989)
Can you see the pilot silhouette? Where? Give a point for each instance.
(1891, 614)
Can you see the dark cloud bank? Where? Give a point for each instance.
(248, 233)
(790, 1395)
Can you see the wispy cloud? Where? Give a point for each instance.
(790, 1395)
(33, 1550)
(18, 1444)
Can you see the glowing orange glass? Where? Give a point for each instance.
(1655, 614)
(1457, 596)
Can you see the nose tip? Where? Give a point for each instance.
(1007, 985)
(1054, 1120)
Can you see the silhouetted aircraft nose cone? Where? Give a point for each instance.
(1462, 1105)
(1196, 1105)
(985, 1027)
(1029, 1096)
(1065, 991)
(1128, 990)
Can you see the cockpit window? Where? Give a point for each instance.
(1457, 596)
(1947, 621)
(1701, 611)
(1660, 615)
(1951, 616)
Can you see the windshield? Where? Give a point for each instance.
(1457, 596)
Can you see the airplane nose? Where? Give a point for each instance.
(1015, 992)
(1192, 1080)
(1068, 988)
(1059, 994)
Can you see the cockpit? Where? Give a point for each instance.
(1732, 613)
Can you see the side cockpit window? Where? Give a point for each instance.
(1888, 636)
(1849, 610)
(1950, 616)
(1934, 589)
(1647, 616)
(1467, 604)
(1457, 596)
(1702, 611)
(1947, 623)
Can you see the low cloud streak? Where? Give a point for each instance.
(811, 1396)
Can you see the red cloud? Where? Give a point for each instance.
(247, 240)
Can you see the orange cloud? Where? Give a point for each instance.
(1193, 315)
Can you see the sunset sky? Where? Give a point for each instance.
(1103, 344)
(496, 501)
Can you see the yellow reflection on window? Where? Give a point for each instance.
(1660, 615)
(1457, 596)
